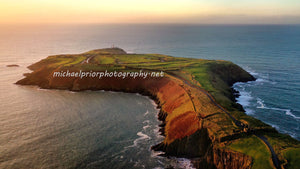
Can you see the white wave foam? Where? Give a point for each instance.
(250, 70)
(249, 111)
(157, 153)
(261, 77)
(261, 103)
(292, 134)
(141, 138)
(180, 163)
(184, 163)
(244, 98)
(146, 121)
(157, 133)
(153, 102)
(275, 126)
(147, 126)
(253, 73)
(260, 80)
(158, 168)
(147, 112)
(288, 112)
(238, 84)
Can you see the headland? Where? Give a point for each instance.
(200, 118)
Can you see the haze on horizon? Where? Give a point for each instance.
(151, 11)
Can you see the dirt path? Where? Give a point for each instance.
(275, 159)
(274, 156)
(87, 60)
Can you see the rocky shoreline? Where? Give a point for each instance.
(198, 145)
(194, 123)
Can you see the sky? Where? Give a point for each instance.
(151, 11)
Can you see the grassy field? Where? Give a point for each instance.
(287, 148)
(249, 146)
(216, 77)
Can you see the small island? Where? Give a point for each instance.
(200, 118)
(12, 65)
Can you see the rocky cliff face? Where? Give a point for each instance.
(200, 119)
(186, 135)
(227, 159)
(205, 153)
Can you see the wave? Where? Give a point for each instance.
(147, 126)
(180, 163)
(157, 133)
(275, 126)
(142, 138)
(260, 103)
(157, 154)
(153, 102)
(250, 70)
(291, 114)
(288, 112)
(184, 163)
(249, 111)
(245, 97)
(260, 77)
(260, 80)
(146, 121)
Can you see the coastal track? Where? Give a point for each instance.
(87, 60)
(275, 159)
(238, 123)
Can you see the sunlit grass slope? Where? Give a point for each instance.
(183, 94)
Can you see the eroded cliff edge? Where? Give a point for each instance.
(200, 118)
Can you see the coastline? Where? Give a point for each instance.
(203, 139)
(161, 147)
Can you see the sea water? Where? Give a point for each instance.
(62, 129)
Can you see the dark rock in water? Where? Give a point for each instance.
(12, 65)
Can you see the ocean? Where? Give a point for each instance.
(62, 129)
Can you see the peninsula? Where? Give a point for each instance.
(200, 118)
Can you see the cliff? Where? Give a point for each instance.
(200, 119)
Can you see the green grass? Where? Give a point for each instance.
(287, 148)
(213, 76)
(135, 58)
(292, 155)
(103, 59)
(253, 147)
(59, 60)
